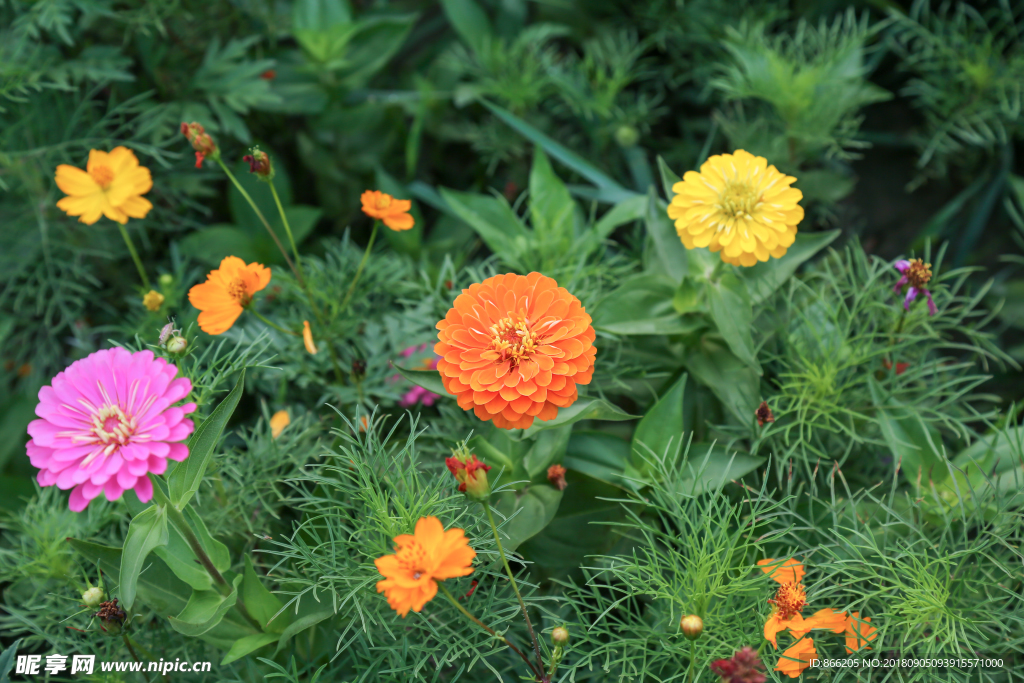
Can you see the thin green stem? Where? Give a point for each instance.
(135, 255)
(693, 656)
(288, 230)
(515, 588)
(359, 271)
(556, 657)
(487, 628)
(259, 214)
(270, 323)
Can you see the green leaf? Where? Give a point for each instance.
(611, 191)
(15, 414)
(211, 244)
(663, 428)
(261, 603)
(585, 408)
(548, 447)
(148, 530)
(534, 508)
(626, 211)
(668, 178)
(177, 553)
(764, 278)
(327, 46)
(184, 481)
(158, 588)
(687, 297)
(248, 645)
(730, 308)
(552, 209)
(306, 619)
(217, 551)
(374, 44)
(428, 379)
(469, 21)
(204, 610)
(915, 445)
(668, 249)
(302, 219)
(497, 448)
(601, 456)
(642, 305)
(492, 219)
(732, 381)
(317, 15)
(7, 661)
(710, 466)
(242, 214)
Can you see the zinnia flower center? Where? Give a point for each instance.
(918, 273)
(513, 339)
(111, 427)
(383, 201)
(239, 292)
(102, 175)
(738, 200)
(789, 600)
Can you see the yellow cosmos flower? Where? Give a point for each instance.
(111, 185)
(153, 300)
(737, 205)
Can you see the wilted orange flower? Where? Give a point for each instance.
(226, 292)
(514, 347)
(111, 185)
(859, 632)
(278, 422)
(394, 212)
(797, 658)
(429, 555)
(790, 600)
(307, 337)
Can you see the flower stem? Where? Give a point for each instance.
(272, 324)
(135, 255)
(488, 629)
(515, 588)
(288, 230)
(693, 656)
(359, 271)
(259, 214)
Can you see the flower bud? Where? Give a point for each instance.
(201, 141)
(471, 475)
(166, 280)
(259, 163)
(556, 475)
(176, 344)
(764, 414)
(153, 300)
(627, 136)
(111, 616)
(692, 626)
(93, 596)
(560, 636)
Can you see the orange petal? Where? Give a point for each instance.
(789, 571)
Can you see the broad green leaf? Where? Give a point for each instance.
(915, 445)
(626, 211)
(548, 447)
(242, 214)
(217, 551)
(15, 414)
(534, 508)
(310, 614)
(184, 481)
(158, 588)
(711, 466)
(317, 15)
(428, 379)
(148, 530)
(376, 41)
(611, 191)
(469, 21)
(669, 251)
(668, 179)
(204, 610)
(687, 297)
(327, 46)
(642, 305)
(585, 408)
(994, 454)
(261, 603)
(211, 244)
(301, 219)
(730, 308)
(734, 383)
(177, 553)
(7, 661)
(248, 645)
(601, 456)
(662, 430)
(764, 278)
(552, 209)
(492, 219)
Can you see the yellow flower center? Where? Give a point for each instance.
(383, 201)
(789, 600)
(110, 427)
(102, 175)
(513, 339)
(239, 292)
(919, 273)
(738, 200)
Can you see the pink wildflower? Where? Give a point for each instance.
(106, 422)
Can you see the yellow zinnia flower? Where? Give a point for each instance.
(737, 205)
(112, 185)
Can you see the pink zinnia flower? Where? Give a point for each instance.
(106, 422)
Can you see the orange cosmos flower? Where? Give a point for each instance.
(429, 555)
(514, 347)
(790, 600)
(797, 658)
(111, 185)
(394, 212)
(278, 422)
(226, 292)
(859, 632)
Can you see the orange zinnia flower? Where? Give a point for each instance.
(859, 632)
(514, 347)
(111, 185)
(394, 212)
(226, 292)
(790, 600)
(429, 555)
(797, 658)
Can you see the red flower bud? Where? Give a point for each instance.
(259, 163)
(201, 142)
(556, 475)
(471, 475)
(763, 414)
